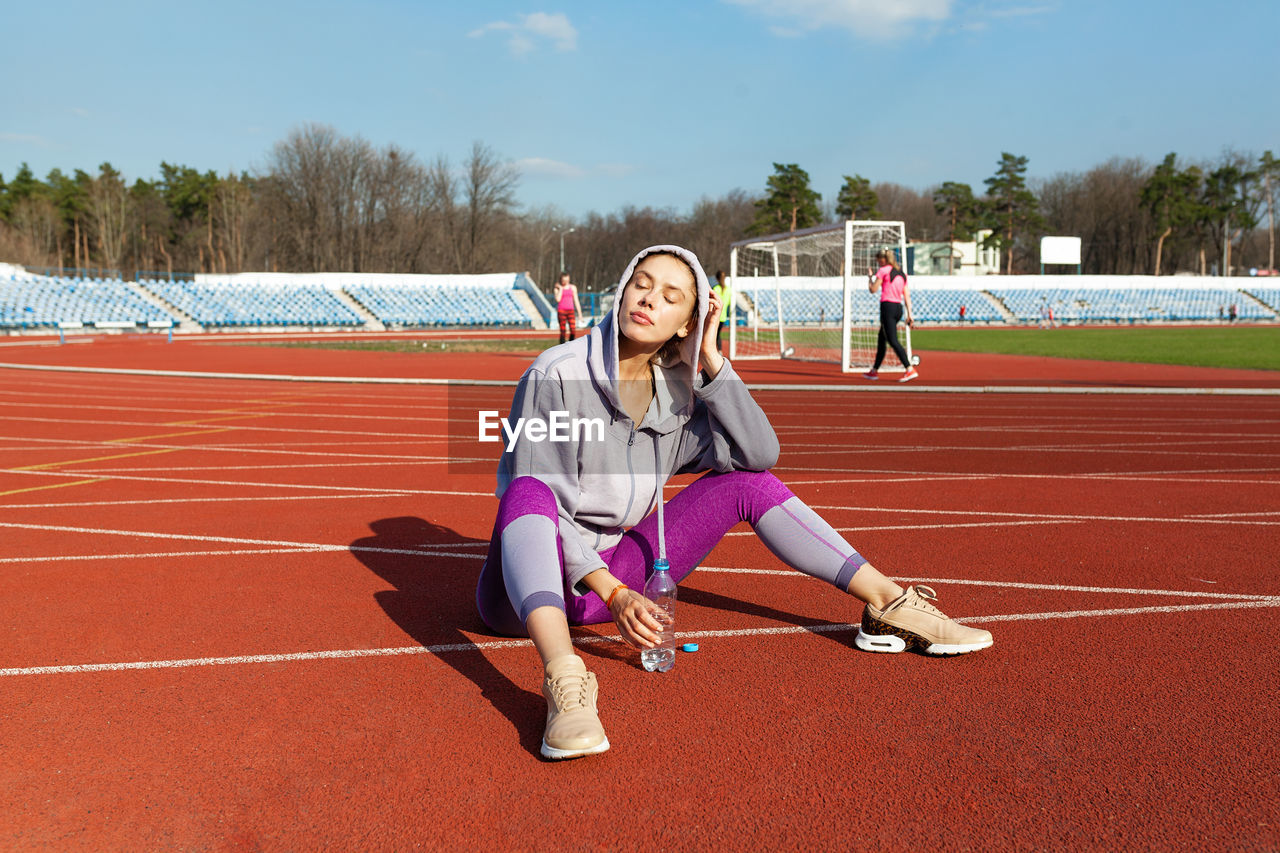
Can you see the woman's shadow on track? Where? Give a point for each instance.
(433, 601)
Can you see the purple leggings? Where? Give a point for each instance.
(696, 520)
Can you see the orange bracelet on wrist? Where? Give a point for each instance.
(609, 602)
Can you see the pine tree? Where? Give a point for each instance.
(1170, 195)
(1011, 207)
(955, 201)
(857, 200)
(790, 204)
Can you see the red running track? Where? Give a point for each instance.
(239, 616)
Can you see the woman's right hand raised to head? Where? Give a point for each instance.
(634, 616)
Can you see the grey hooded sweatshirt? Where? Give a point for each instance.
(604, 487)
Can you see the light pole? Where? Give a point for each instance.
(562, 233)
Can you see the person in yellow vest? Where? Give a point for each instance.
(723, 293)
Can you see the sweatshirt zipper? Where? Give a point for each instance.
(631, 472)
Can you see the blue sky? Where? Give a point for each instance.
(603, 105)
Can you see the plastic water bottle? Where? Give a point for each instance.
(661, 590)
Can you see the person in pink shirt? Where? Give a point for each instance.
(567, 307)
(891, 283)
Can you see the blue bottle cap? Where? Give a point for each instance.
(689, 647)
(661, 565)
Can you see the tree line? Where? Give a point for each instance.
(1133, 219)
(327, 202)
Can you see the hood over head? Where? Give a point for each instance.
(675, 376)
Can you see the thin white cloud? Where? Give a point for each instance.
(26, 139)
(528, 31)
(864, 18)
(1022, 11)
(541, 167)
(615, 170)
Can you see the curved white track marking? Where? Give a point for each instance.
(822, 628)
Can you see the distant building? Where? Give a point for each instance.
(958, 258)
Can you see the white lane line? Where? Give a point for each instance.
(1217, 518)
(146, 534)
(1049, 587)
(236, 552)
(1163, 450)
(355, 489)
(282, 412)
(207, 500)
(1124, 611)
(65, 444)
(367, 463)
(1111, 477)
(307, 400)
(859, 390)
(220, 425)
(957, 526)
(155, 554)
(1231, 514)
(1185, 593)
(446, 648)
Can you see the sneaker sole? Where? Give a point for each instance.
(909, 378)
(561, 754)
(890, 639)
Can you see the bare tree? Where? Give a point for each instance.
(489, 185)
(108, 209)
(233, 207)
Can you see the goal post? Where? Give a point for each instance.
(803, 294)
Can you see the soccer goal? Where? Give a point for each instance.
(803, 294)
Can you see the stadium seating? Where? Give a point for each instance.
(943, 306)
(824, 305)
(36, 302)
(1269, 295)
(1152, 304)
(42, 302)
(401, 305)
(221, 305)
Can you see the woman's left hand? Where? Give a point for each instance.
(710, 356)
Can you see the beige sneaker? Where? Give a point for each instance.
(910, 620)
(573, 727)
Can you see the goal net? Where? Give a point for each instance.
(803, 294)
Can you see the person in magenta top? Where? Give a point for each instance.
(891, 283)
(567, 307)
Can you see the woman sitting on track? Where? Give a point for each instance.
(562, 553)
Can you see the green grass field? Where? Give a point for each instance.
(1251, 347)
(423, 346)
